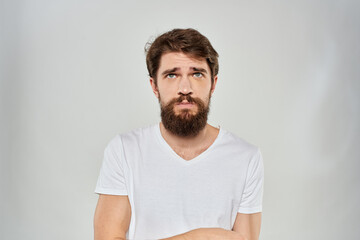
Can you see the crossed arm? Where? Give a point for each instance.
(113, 213)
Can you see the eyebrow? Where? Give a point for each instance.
(203, 70)
(172, 70)
(166, 72)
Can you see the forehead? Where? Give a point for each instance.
(181, 61)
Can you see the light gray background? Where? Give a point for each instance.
(73, 75)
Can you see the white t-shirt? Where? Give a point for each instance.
(170, 195)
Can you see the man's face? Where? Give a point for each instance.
(184, 89)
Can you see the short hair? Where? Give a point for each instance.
(189, 41)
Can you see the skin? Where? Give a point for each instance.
(178, 74)
(112, 217)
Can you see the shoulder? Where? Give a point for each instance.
(131, 141)
(247, 152)
(237, 143)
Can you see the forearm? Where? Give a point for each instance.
(108, 234)
(208, 234)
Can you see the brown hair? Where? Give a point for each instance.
(188, 41)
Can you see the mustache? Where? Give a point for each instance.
(185, 97)
(181, 98)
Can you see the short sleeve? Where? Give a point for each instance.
(111, 178)
(251, 201)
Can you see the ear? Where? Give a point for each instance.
(154, 87)
(214, 85)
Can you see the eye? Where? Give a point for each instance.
(198, 74)
(171, 75)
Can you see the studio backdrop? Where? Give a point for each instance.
(73, 75)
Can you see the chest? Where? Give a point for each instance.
(203, 193)
(188, 154)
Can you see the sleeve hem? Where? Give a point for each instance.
(111, 191)
(250, 210)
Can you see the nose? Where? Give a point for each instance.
(185, 86)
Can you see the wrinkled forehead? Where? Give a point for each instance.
(182, 60)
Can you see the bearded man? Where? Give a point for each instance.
(181, 178)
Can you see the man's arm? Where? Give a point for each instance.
(113, 214)
(248, 225)
(112, 217)
(208, 234)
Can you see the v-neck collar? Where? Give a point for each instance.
(165, 145)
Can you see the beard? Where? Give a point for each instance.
(185, 123)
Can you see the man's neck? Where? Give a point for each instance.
(205, 136)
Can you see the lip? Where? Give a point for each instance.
(185, 104)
